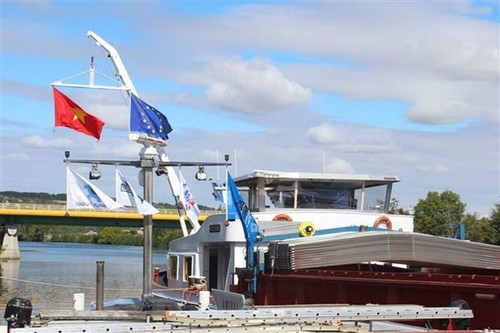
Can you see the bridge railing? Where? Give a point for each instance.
(33, 206)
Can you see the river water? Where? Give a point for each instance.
(48, 274)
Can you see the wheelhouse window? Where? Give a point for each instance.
(172, 267)
(282, 195)
(187, 264)
(375, 198)
(361, 192)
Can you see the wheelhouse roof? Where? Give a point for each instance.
(343, 180)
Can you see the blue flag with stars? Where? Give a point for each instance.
(146, 119)
(236, 205)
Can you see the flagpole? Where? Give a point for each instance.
(149, 159)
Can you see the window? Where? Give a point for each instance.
(172, 267)
(187, 267)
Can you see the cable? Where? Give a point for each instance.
(63, 285)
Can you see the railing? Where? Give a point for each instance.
(32, 206)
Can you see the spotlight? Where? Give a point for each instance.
(66, 153)
(161, 171)
(226, 157)
(201, 175)
(94, 173)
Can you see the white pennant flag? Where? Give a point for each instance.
(81, 194)
(126, 196)
(187, 199)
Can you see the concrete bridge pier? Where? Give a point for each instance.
(9, 245)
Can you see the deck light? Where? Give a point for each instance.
(94, 173)
(201, 175)
(161, 171)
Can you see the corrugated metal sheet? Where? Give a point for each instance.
(392, 247)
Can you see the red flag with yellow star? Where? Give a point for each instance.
(69, 114)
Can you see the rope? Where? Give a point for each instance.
(62, 285)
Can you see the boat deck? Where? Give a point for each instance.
(331, 318)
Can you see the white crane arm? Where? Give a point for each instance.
(121, 71)
(127, 83)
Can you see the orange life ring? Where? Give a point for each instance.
(383, 220)
(282, 217)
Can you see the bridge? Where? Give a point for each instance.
(42, 214)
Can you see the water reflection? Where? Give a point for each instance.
(49, 274)
(9, 270)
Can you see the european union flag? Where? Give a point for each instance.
(146, 119)
(236, 203)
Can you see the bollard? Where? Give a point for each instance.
(78, 302)
(204, 299)
(99, 294)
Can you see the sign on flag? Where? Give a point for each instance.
(126, 196)
(81, 194)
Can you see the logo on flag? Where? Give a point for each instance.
(236, 205)
(126, 196)
(187, 199)
(81, 194)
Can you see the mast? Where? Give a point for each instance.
(151, 155)
(128, 86)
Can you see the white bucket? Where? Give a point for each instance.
(204, 299)
(78, 302)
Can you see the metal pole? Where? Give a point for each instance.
(147, 293)
(99, 298)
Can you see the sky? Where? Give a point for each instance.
(395, 88)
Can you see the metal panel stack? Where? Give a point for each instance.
(392, 247)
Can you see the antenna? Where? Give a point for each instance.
(324, 164)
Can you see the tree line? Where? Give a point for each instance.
(441, 213)
(95, 235)
(438, 214)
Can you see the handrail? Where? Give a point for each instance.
(62, 207)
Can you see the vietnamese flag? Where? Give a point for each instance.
(69, 114)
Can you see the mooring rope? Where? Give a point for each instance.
(62, 285)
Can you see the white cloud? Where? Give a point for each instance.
(338, 165)
(37, 141)
(324, 133)
(431, 168)
(252, 87)
(16, 157)
(342, 138)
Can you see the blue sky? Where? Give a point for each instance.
(394, 88)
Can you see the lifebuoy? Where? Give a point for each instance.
(307, 229)
(383, 220)
(282, 217)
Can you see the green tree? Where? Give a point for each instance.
(438, 212)
(477, 229)
(162, 237)
(495, 224)
(395, 209)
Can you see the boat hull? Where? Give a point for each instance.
(324, 286)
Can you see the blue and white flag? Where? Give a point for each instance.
(126, 196)
(217, 192)
(187, 199)
(81, 194)
(236, 205)
(146, 119)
